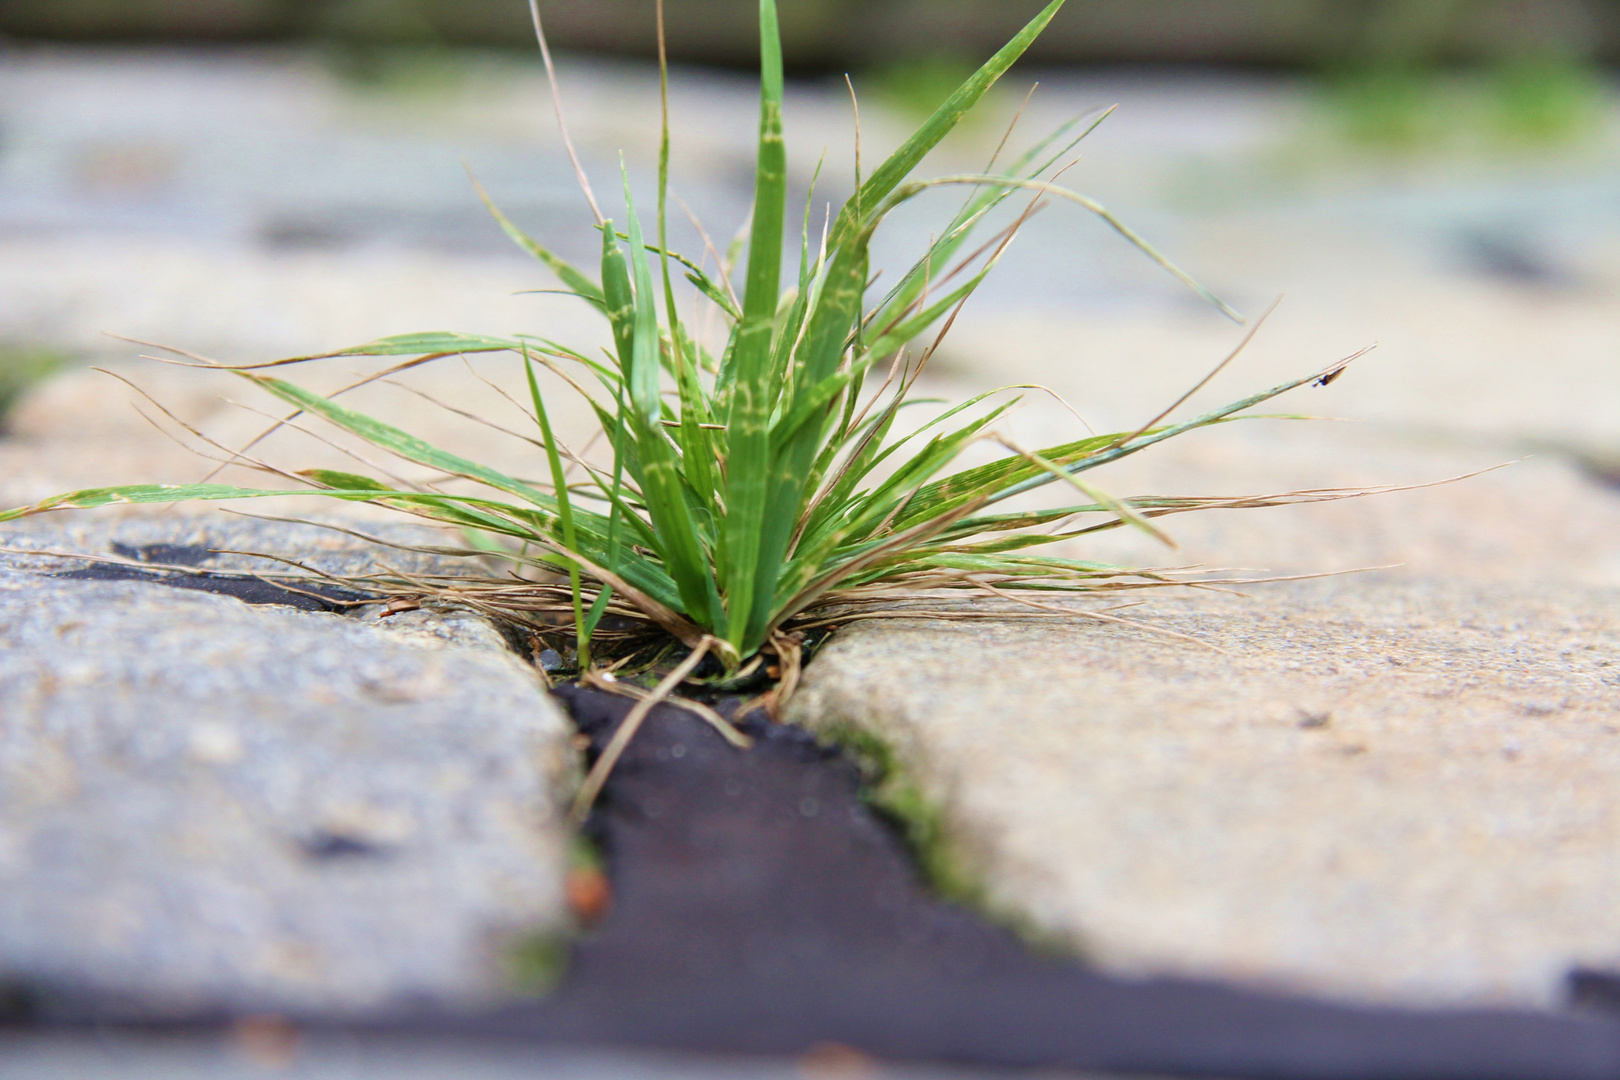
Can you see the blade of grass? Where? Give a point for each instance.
(696, 445)
(749, 385)
(1107, 216)
(627, 729)
(556, 104)
(1122, 510)
(898, 166)
(396, 441)
(836, 314)
(565, 511)
(576, 281)
(662, 484)
(978, 205)
(1136, 445)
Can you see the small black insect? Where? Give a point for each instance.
(1329, 377)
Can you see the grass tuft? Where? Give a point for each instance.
(754, 478)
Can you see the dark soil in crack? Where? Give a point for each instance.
(309, 596)
(760, 906)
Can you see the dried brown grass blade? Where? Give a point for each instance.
(592, 787)
(721, 725)
(556, 105)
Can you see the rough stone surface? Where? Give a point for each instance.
(207, 804)
(1397, 791)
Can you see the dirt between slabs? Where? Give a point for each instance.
(759, 905)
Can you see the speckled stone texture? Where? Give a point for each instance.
(1389, 790)
(209, 805)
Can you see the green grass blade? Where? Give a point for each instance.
(1030, 164)
(899, 489)
(812, 406)
(619, 298)
(763, 281)
(398, 442)
(836, 313)
(898, 166)
(566, 272)
(829, 577)
(642, 375)
(698, 452)
(789, 325)
(598, 609)
(446, 344)
(892, 339)
(708, 288)
(565, 511)
(904, 480)
(1122, 510)
(640, 573)
(998, 475)
(662, 484)
(594, 534)
(1096, 208)
(486, 514)
(1143, 440)
(747, 384)
(90, 498)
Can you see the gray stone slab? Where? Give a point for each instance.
(1385, 790)
(204, 803)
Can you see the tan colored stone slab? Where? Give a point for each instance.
(1381, 789)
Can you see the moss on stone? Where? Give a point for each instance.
(890, 790)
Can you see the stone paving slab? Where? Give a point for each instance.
(205, 804)
(1398, 790)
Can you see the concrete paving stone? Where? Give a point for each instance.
(1388, 790)
(205, 804)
